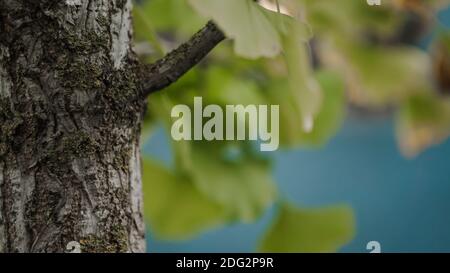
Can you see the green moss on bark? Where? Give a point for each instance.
(115, 242)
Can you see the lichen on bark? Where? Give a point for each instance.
(69, 127)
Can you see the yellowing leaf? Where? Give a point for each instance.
(310, 230)
(423, 120)
(441, 61)
(377, 76)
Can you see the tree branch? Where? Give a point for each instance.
(175, 64)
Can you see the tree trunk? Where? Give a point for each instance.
(69, 127)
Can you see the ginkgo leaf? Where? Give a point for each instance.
(306, 92)
(242, 184)
(310, 230)
(171, 15)
(326, 122)
(378, 76)
(174, 207)
(246, 22)
(286, 25)
(422, 121)
(337, 18)
(223, 87)
(441, 61)
(332, 112)
(389, 75)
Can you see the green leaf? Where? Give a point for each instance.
(422, 121)
(326, 122)
(378, 76)
(310, 230)
(348, 18)
(234, 178)
(174, 207)
(332, 112)
(306, 93)
(144, 30)
(229, 173)
(224, 87)
(171, 15)
(241, 183)
(287, 25)
(246, 22)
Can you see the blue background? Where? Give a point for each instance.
(404, 204)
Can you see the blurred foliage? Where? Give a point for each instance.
(310, 230)
(174, 207)
(422, 120)
(314, 58)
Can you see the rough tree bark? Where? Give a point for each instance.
(69, 167)
(72, 97)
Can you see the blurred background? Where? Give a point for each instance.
(376, 170)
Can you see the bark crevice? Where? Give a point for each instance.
(69, 137)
